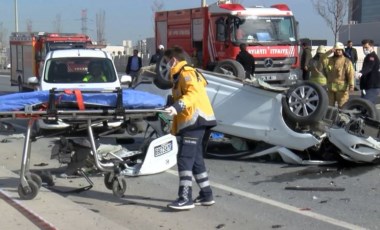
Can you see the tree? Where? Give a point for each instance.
(333, 11)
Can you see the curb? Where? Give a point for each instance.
(47, 211)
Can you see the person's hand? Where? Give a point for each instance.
(171, 111)
(358, 75)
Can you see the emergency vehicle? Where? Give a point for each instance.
(28, 52)
(212, 34)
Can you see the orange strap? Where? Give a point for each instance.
(78, 96)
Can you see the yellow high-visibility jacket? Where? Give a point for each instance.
(89, 77)
(190, 99)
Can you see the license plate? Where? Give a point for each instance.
(270, 78)
(162, 149)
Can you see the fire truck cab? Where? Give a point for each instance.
(212, 35)
(28, 52)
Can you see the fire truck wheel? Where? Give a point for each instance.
(230, 67)
(162, 79)
(362, 106)
(305, 103)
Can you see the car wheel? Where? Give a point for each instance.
(362, 106)
(162, 79)
(305, 103)
(230, 67)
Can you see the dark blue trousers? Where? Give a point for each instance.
(190, 162)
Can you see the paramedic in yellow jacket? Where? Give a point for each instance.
(340, 76)
(193, 116)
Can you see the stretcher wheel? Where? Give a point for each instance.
(119, 189)
(108, 182)
(28, 194)
(36, 178)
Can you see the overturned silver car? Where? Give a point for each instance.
(258, 119)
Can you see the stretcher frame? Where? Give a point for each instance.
(27, 188)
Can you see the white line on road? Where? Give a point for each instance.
(282, 205)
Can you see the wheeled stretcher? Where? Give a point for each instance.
(82, 110)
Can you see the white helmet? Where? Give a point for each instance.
(339, 46)
(161, 47)
(321, 49)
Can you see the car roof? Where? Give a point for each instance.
(78, 53)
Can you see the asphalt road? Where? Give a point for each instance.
(249, 194)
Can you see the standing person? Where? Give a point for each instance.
(193, 117)
(157, 56)
(370, 75)
(317, 67)
(305, 59)
(340, 76)
(134, 65)
(351, 53)
(246, 60)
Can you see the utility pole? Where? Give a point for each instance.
(100, 24)
(16, 17)
(84, 21)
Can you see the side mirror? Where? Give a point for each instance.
(220, 30)
(126, 79)
(38, 56)
(33, 80)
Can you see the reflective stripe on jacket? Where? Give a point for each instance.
(190, 99)
(89, 77)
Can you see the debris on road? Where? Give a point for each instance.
(321, 189)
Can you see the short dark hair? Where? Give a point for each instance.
(176, 52)
(243, 46)
(367, 41)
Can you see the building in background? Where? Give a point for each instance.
(363, 22)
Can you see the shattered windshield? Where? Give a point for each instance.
(260, 29)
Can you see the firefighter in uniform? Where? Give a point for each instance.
(340, 76)
(193, 116)
(317, 67)
(95, 73)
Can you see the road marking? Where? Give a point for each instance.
(282, 205)
(34, 218)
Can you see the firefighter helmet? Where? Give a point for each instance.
(321, 49)
(339, 46)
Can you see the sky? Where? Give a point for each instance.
(131, 19)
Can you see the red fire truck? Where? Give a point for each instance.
(212, 34)
(28, 51)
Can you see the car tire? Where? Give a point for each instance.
(305, 103)
(366, 107)
(162, 80)
(230, 67)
